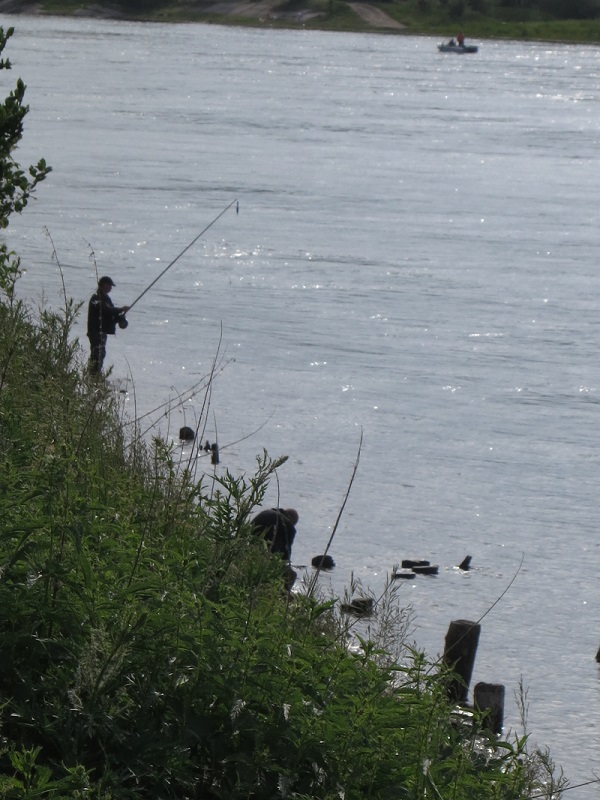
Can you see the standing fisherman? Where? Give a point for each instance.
(103, 318)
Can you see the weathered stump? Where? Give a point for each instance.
(489, 698)
(186, 434)
(214, 457)
(459, 655)
(359, 606)
(409, 563)
(429, 569)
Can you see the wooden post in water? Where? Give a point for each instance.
(459, 655)
(489, 697)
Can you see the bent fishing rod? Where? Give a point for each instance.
(185, 249)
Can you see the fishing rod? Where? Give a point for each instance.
(185, 249)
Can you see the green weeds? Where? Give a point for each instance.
(148, 647)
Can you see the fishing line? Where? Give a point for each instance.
(185, 249)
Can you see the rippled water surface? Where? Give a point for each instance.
(415, 259)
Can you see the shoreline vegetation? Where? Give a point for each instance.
(148, 646)
(544, 20)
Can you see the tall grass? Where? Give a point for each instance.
(148, 648)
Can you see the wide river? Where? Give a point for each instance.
(415, 260)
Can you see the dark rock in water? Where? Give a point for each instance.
(186, 434)
(323, 562)
(426, 569)
(407, 575)
(465, 563)
(410, 563)
(359, 606)
(207, 446)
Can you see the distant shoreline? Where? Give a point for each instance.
(369, 18)
(339, 16)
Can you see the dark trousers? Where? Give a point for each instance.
(97, 352)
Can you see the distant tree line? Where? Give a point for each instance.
(554, 9)
(523, 9)
(563, 9)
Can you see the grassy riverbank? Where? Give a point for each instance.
(148, 647)
(398, 16)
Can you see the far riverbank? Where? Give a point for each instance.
(399, 17)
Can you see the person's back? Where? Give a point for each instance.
(101, 318)
(278, 527)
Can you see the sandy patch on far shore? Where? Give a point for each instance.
(375, 16)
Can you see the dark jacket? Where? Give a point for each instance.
(277, 529)
(102, 315)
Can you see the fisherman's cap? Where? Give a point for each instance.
(106, 279)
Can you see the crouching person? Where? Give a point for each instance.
(277, 526)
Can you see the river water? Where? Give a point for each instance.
(414, 261)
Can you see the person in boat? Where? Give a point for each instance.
(460, 38)
(452, 43)
(102, 320)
